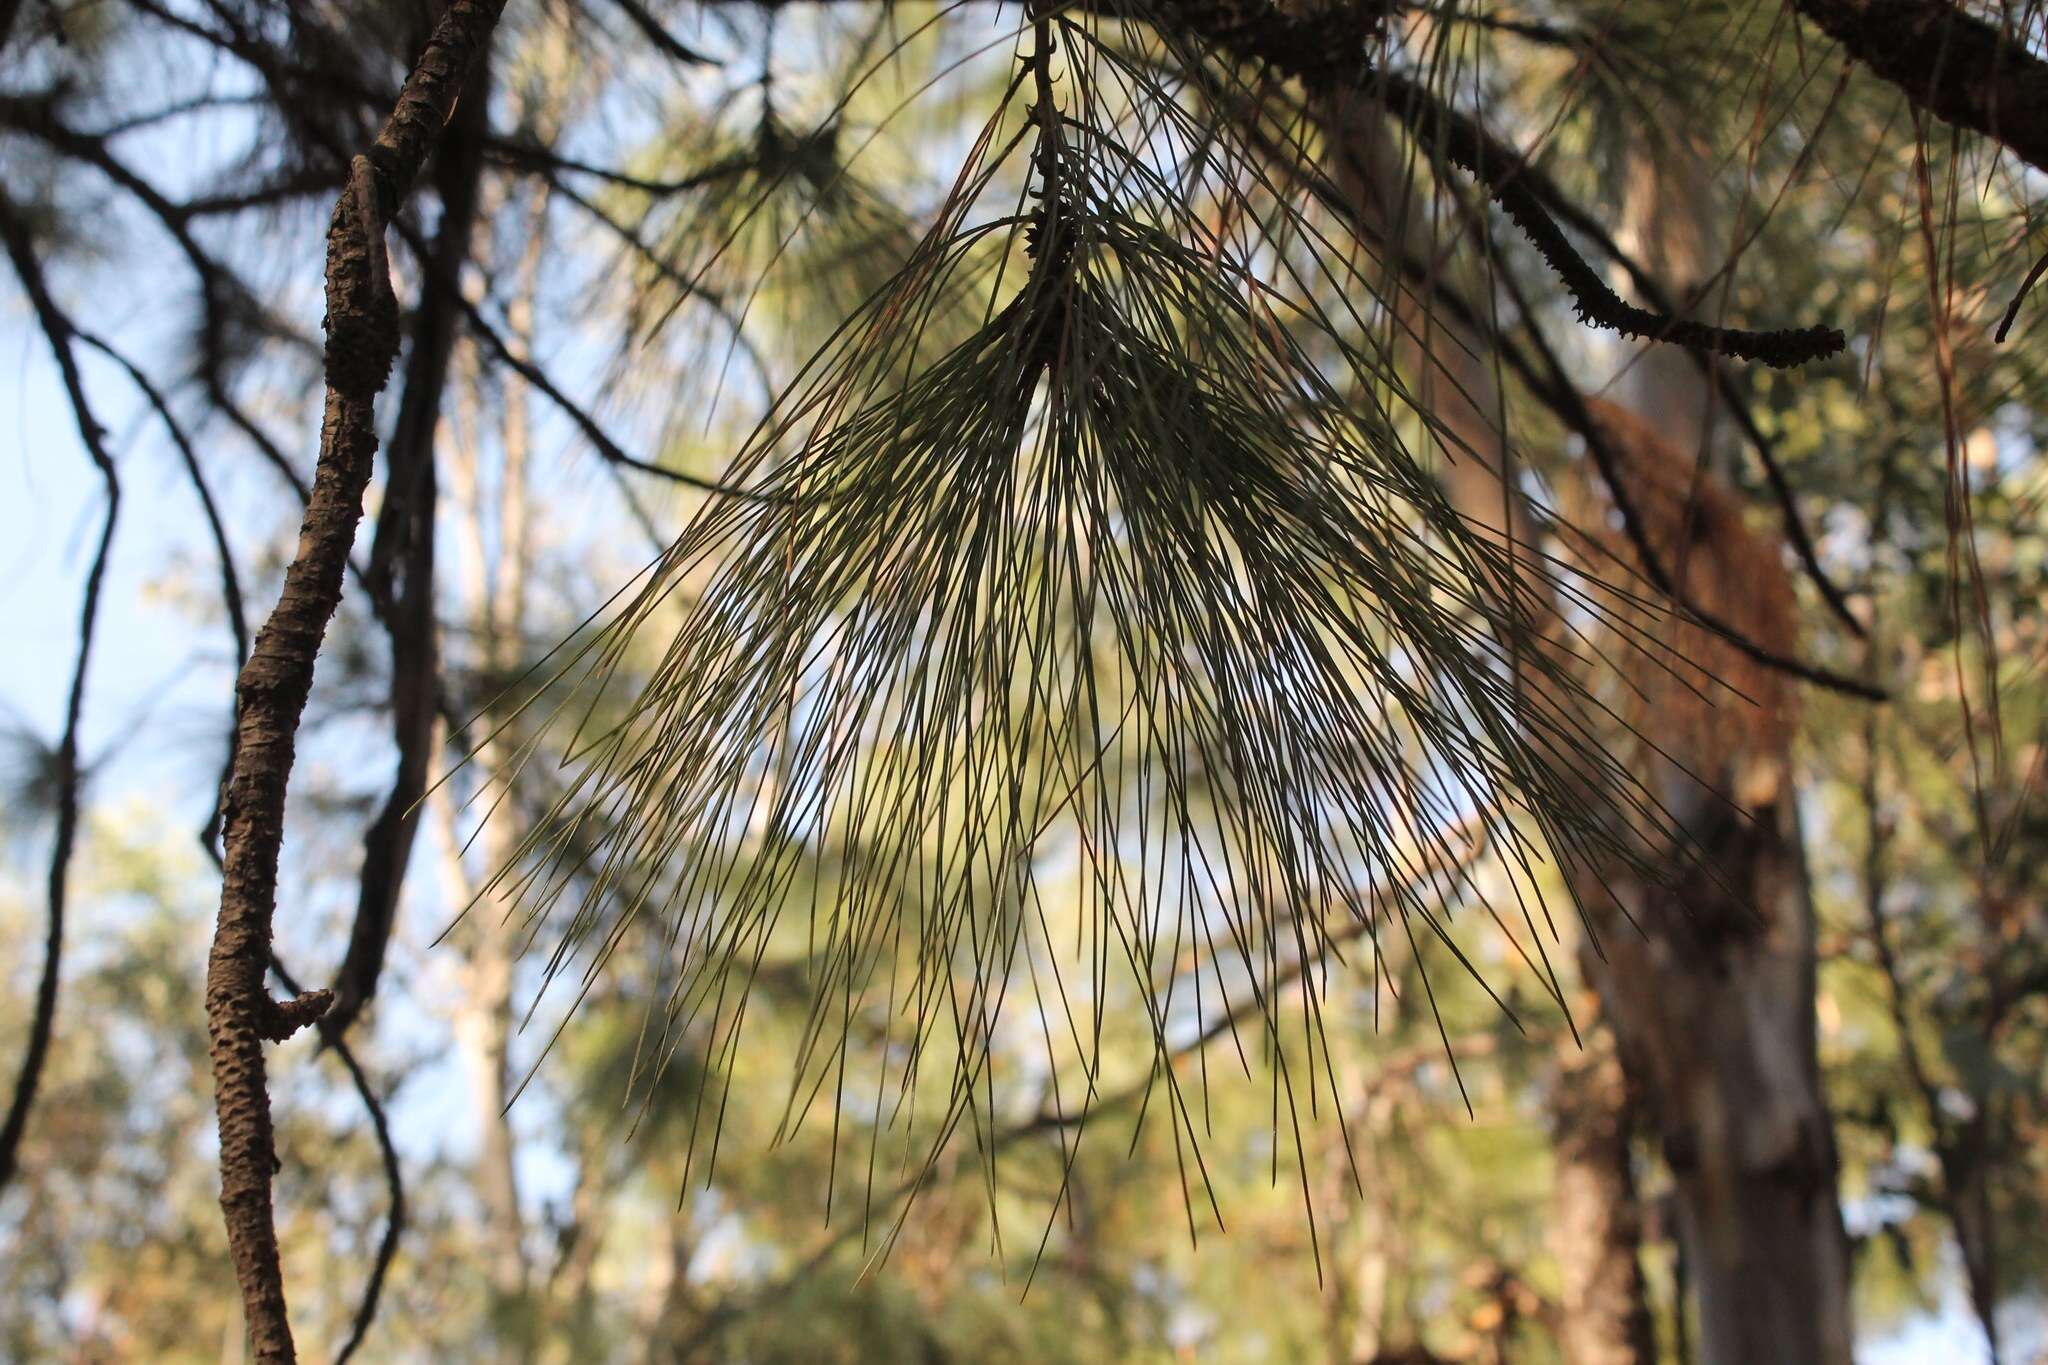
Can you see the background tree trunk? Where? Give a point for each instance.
(1713, 1000)
(1595, 1215)
(495, 576)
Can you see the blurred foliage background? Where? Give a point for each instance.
(675, 207)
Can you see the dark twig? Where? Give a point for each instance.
(37, 118)
(1461, 141)
(1568, 405)
(394, 1180)
(58, 331)
(1327, 64)
(528, 156)
(230, 580)
(2012, 310)
(1733, 399)
(606, 447)
(1552, 387)
(651, 28)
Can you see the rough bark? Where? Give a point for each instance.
(1956, 66)
(1713, 1002)
(271, 691)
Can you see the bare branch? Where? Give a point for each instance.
(610, 449)
(404, 544)
(1465, 144)
(651, 29)
(230, 580)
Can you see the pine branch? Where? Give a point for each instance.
(1466, 144)
(1552, 387)
(1962, 69)
(1329, 53)
(362, 338)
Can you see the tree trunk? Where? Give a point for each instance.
(495, 587)
(1711, 988)
(1713, 1003)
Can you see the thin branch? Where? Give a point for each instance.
(1555, 391)
(529, 156)
(606, 447)
(230, 580)
(404, 543)
(1334, 62)
(394, 1179)
(1464, 143)
(58, 331)
(1646, 284)
(2012, 310)
(285, 189)
(651, 28)
(36, 116)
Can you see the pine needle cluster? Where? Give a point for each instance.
(1111, 654)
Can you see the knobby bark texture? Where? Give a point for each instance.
(271, 692)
